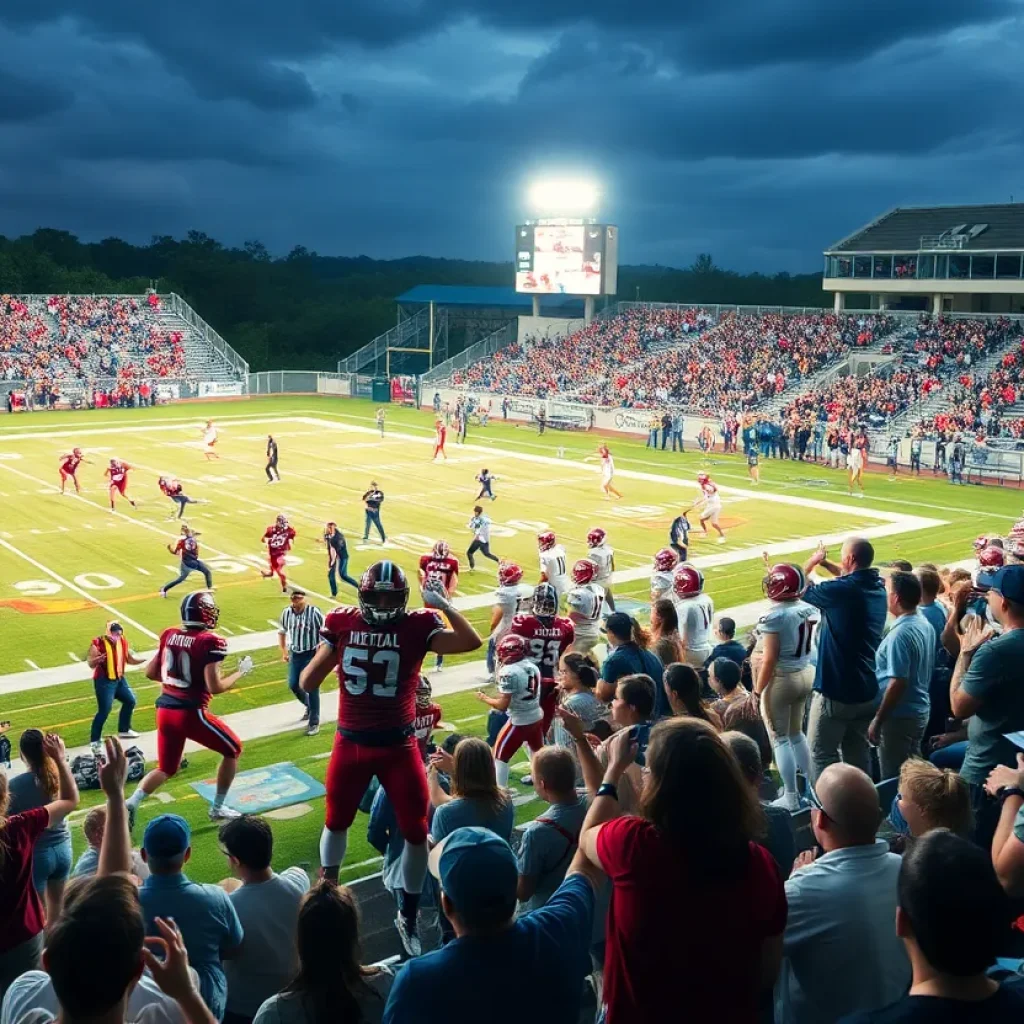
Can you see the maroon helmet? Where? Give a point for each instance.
(784, 582)
(596, 537)
(546, 540)
(442, 549)
(687, 581)
(199, 610)
(992, 558)
(511, 648)
(383, 593)
(665, 560)
(584, 571)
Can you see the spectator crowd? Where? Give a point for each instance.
(732, 831)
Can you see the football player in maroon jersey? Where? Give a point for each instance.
(441, 566)
(428, 715)
(377, 650)
(187, 665)
(278, 537)
(548, 636)
(69, 468)
(117, 473)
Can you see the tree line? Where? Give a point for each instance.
(304, 310)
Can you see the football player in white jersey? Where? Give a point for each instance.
(665, 562)
(553, 568)
(512, 598)
(519, 697)
(710, 505)
(586, 606)
(785, 675)
(696, 612)
(602, 555)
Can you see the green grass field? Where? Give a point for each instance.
(67, 564)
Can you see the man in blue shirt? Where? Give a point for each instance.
(845, 694)
(903, 667)
(728, 646)
(548, 949)
(205, 915)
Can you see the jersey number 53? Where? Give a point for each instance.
(357, 667)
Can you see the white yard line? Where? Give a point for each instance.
(74, 588)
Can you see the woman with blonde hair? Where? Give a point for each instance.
(475, 798)
(699, 825)
(332, 985)
(931, 797)
(22, 829)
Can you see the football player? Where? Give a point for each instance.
(440, 434)
(519, 698)
(486, 481)
(187, 666)
(117, 473)
(512, 598)
(552, 564)
(441, 566)
(278, 537)
(696, 612)
(69, 468)
(209, 433)
(710, 505)
(603, 556)
(665, 562)
(428, 715)
(586, 606)
(548, 636)
(187, 548)
(173, 489)
(607, 472)
(785, 675)
(377, 650)
(992, 557)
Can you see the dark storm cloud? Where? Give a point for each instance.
(760, 131)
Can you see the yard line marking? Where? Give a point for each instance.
(77, 590)
(145, 572)
(31, 664)
(271, 622)
(73, 656)
(224, 629)
(246, 629)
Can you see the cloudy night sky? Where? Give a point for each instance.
(757, 130)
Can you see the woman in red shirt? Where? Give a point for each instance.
(21, 910)
(698, 907)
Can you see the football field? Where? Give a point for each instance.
(68, 565)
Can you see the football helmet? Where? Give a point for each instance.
(511, 648)
(687, 581)
(1016, 548)
(546, 540)
(702, 478)
(583, 571)
(383, 593)
(784, 582)
(545, 601)
(442, 549)
(665, 560)
(992, 558)
(596, 537)
(424, 692)
(199, 610)
(980, 543)
(1018, 528)
(509, 574)
(281, 521)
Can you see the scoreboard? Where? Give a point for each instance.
(567, 257)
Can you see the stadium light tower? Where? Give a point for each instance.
(564, 197)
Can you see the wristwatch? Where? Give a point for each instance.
(608, 789)
(1004, 793)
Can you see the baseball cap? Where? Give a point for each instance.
(618, 623)
(1008, 581)
(115, 627)
(477, 870)
(167, 835)
(298, 592)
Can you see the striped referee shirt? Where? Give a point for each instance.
(302, 628)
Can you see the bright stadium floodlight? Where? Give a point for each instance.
(564, 196)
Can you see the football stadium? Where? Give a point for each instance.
(701, 472)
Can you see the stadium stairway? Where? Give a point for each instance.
(202, 361)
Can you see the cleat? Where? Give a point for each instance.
(410, 939)
(223, 813)
(721, 540)
(313, 729)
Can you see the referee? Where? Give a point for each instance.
(298, 637)
(372, 501)
(273, 475)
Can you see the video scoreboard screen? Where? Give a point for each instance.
(566, 258)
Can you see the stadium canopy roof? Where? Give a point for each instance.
(911, 229)
(470, 297)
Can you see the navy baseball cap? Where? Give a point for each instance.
(1008, 581)
(166, 836)
(477, 870)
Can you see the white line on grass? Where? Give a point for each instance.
(76, 589)
(73, 656)
(145, 572)
(31, 664)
